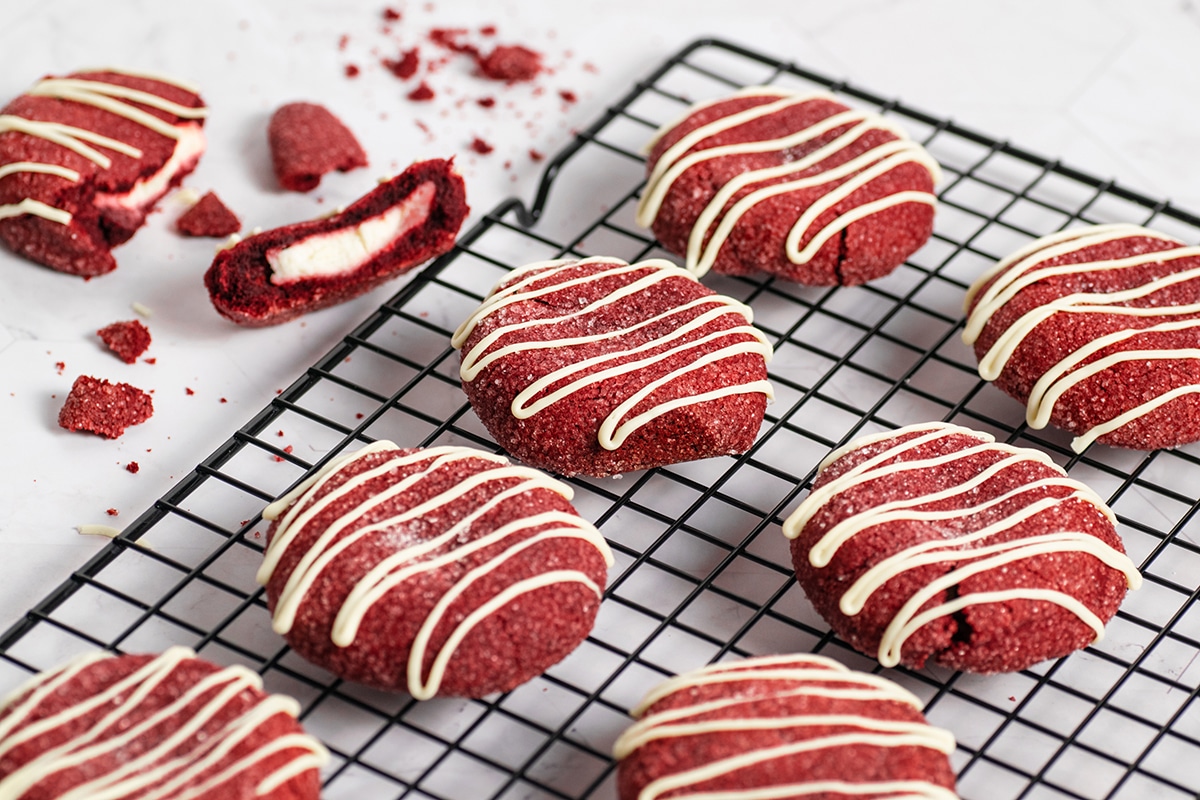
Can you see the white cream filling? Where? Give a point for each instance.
(345, 250)
(188, 148)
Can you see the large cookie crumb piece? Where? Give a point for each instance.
(97, 406)
(127, 339)
(937, 544)
(208, 217)
(308, 141)
(783, 726)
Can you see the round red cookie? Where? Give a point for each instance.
(83, 160)
(782, 726)
(1096, 330)
(154, 727)
(601, 367)
(438, 571)
(795, 185)
(935, 543)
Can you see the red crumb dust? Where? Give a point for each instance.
(223, 400)
(510, 63)
(486, 102)
(133, 467)
(481, 147)
(189, 391)
(352, 70)
(405, 66)
(535, 155)
(343, 40)
(421, 93)
(150, 361)
(567, 95)
(112, 512)
(59, 366)
(391, 14)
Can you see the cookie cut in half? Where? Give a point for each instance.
(935, 543)
(436, 571)
(601, 367)
(786, 726)
(799, 186)
(165, 727)
(280, 274)
(84, 158)
(1097, 331)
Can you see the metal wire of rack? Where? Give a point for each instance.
(702, 570)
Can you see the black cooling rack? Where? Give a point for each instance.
(701, 567)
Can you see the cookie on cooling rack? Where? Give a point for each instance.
(171, 725)
(935, 543)
(601, 367)
(1096, 330)
(795, 185)
(782, 726)
(83, 160)
(280, 274)
(437, 571)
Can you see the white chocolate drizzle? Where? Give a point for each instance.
(553, 277)
(705, 241)
(109, 97)
(1024, 268)
(796, 676)
(969, 551)
(412, 558)
(172, 767)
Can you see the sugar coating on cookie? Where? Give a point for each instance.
(795, 185)
(782, 726)
(307, 141)
(1097, 331)
(935, 543)
(437, 571)
(601, 367)
(84, 158)
(155, 727)
(280, 274)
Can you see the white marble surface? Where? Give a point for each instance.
(1106, 86)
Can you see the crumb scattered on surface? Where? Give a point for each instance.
(97, 406)
(128, 339)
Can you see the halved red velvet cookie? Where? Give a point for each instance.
(795, 185)
(1096, 330)
(154, 727)
(280, 274)
(782, 726)
(601, 367)
(83, 160)
(437, 571)
(935, 543)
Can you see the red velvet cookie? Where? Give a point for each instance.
(154, 727)
(308, 141)
(280, 274)
(128, 339)
(84, 158)
(798, 186)
(936, 543)
(97, 406)
(783, 727)
(1097, 330)
(601, 367)
(443, 571)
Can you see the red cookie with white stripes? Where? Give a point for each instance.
(1096, 330)
(782, 726)
(437, 571)
(799, 186)
(83, 160)
(601, 367)
(935, 543)
(167, 727)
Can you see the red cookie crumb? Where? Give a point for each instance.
(127, 339)
(391, 14)
(352, 70)
(481, 147)
(208, 217)
(308, 141)
(189, 391)
(422, 92)
(448, 38)
(59, 366)
(486, 102)
(536, 155)
(406, 66)
(98, 406)
(510, 63)
(567, 95)
(112, 512)
(133, 467)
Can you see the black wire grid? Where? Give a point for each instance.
(702, 569)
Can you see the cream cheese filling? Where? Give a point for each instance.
(188, 148)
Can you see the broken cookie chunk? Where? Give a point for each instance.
(307, 141)
(107, 409)
(127, 339)
(208, 217)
